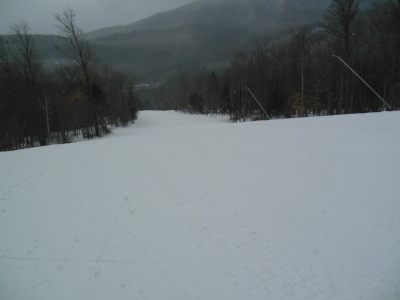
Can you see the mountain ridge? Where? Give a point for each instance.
(203, 33)
(248, 13)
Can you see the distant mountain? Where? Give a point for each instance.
(204, 33)
(201, 34)
(258, 15)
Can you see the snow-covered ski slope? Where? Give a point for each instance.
(193, 207)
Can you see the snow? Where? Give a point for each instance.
(194, 207)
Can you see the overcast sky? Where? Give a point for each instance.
(91, 14)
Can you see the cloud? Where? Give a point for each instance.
(91, 14)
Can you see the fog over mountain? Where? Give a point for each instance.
(92, 14)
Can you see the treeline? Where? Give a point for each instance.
(42, 104)
(303, 74)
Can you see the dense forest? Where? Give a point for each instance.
(42, 104)
(314, 70)
(347, 63)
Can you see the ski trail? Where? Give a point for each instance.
(190, 256)
(205, 274)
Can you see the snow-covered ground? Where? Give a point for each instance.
(193, 207)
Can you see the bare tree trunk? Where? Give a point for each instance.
(339, 112)
(77, 48)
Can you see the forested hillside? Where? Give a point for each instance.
(205, 33)
(303, 73)
(255, 14)
(201, 34)
(65, 96)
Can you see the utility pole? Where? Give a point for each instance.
(383, 100)
(258, 103)
(302, 84)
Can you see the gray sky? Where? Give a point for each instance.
(91, 14)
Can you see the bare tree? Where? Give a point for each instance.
(77, 48)
(385, 18)
(5, 60)
(27, 61)
(341, 20)
(26, 52)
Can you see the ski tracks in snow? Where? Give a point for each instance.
(180, 208)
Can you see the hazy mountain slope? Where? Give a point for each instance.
(193, 45)
(255, 14)
(204, 33)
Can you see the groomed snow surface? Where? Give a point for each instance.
(194, 207)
